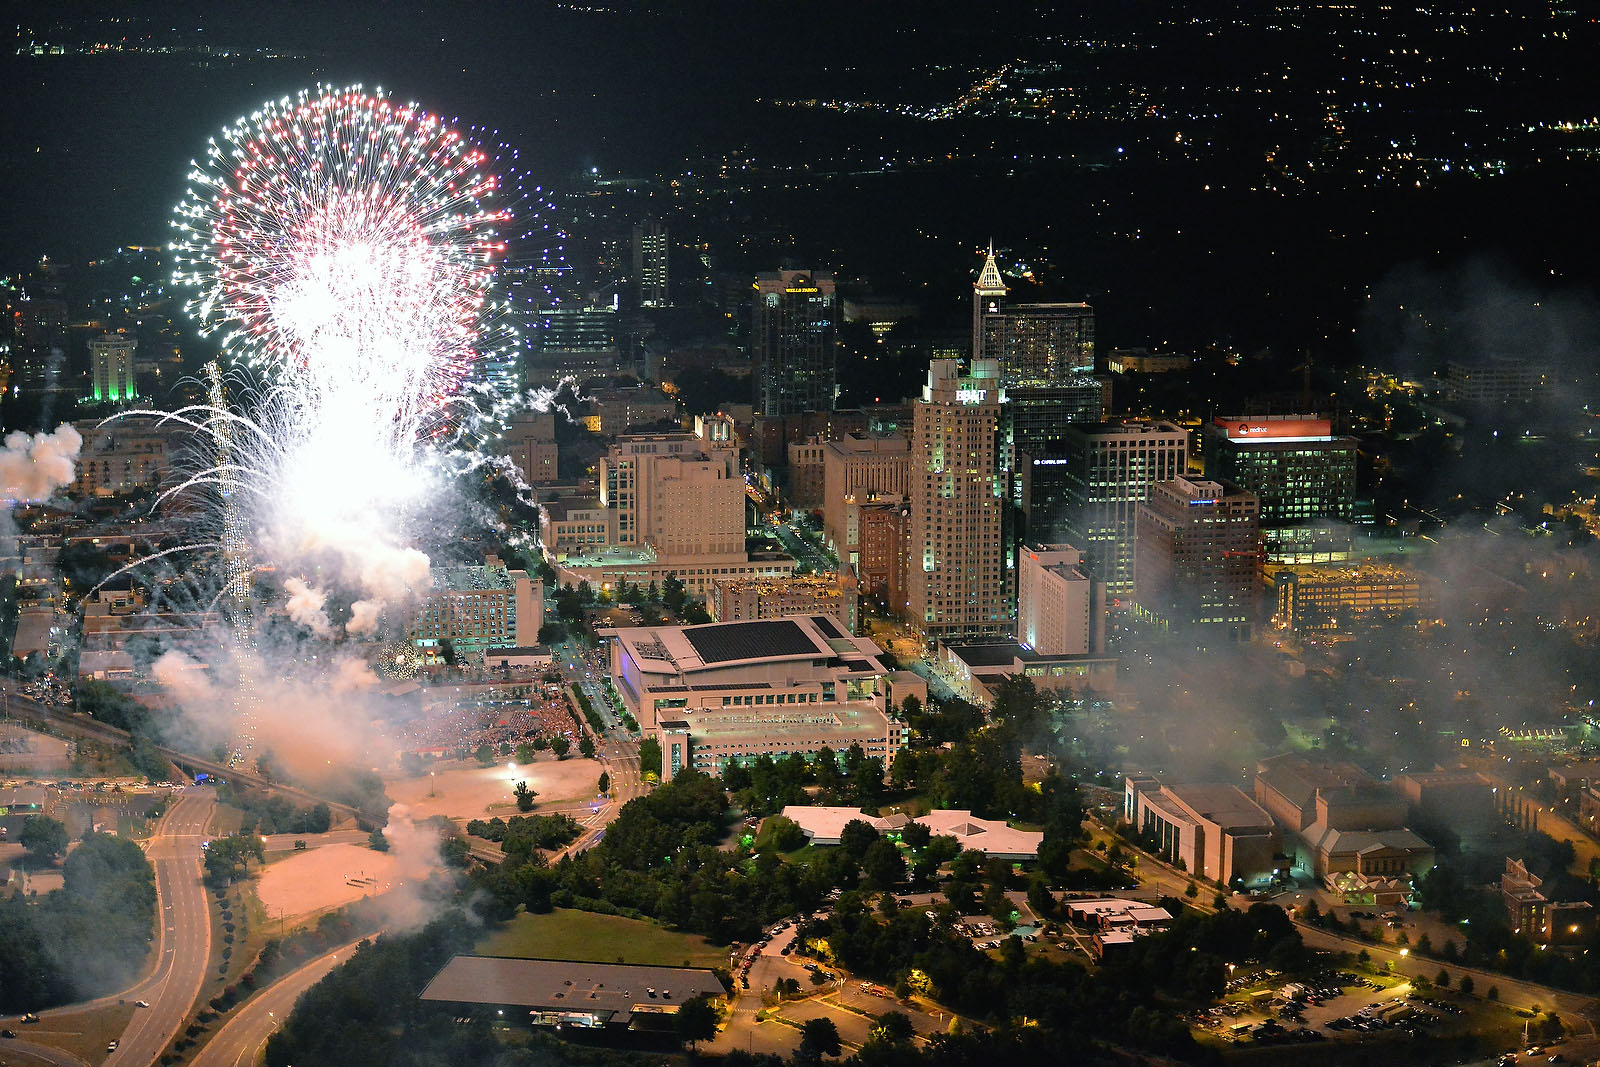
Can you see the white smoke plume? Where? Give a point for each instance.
(34, 466)
(306, 606)
(415, 852)
(185, 677)
(352, 676)
(390, 573)
(364, 617)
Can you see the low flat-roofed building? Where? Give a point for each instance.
(1114, 912)
(992, 837)
(511, 657)
(742, 690)
(1110, 942)
(1214, 831)
(975, 671)
(576, 994)
(824, 825)
(105, 665)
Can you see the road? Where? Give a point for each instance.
(244, 1036)
(183, 931)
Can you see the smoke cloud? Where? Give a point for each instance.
(364, 617)
(414, 848)
(32, 467)
(306, 606)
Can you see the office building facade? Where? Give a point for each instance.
(1034, 344)
(794, 341)
(959, 579)
(1110, 468)
(1303, 474)
(111, 367)
(1197, 557)
(650, 259)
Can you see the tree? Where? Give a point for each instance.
(915, 834)
(447, 652)
(43, 837)
(586, 747)
(696, 1021)
(894, 1026)
(525, 752)
(551, 633)
(818, 1038)
(1442, 979)
(883, 864)
(560, 746)
(779, 834)
(856, 837)
(1465, 985)
(524, 796)
(650, 757)
(605, 782)
(484, 755)
(377, 841)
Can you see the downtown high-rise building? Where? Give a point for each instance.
(1034, 344)
(111, 366)
(958, 581)
(1197, 558)
(650, 263)
(794, 341)
(1304, 475)
(1110, 468)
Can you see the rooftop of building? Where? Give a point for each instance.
(1354, 842)
(809, 584)
(1124, 429)
(1225, 805)
(688, 649)
(563, 985)
(1297, 779)
(561, 507)
(996, 654)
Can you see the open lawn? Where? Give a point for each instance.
(83, 1034)
(565, 934)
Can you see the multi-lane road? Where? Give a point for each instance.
(244, 1036)
(182, 947)
(183, 931)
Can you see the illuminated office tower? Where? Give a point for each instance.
(958, 581)
(793, 341)
(650, 263)
(1304, 475)
(1034, 344)
(1110, 468)
(111, 364)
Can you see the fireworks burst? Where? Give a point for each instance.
(345, 244)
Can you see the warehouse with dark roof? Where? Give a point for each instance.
(563, 993)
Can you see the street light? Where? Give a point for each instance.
(431, 775)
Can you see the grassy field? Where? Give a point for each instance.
(580, 935)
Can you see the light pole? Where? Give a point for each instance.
(431, 776)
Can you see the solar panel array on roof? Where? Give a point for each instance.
(826, 625)
(723, 642)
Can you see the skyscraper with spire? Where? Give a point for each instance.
(1034, 344)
